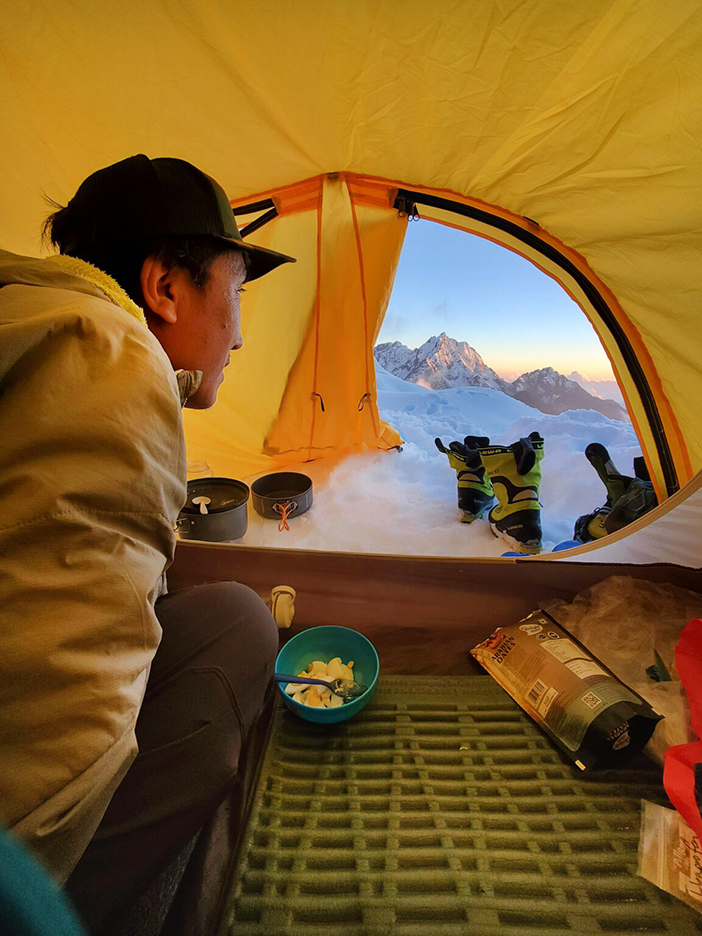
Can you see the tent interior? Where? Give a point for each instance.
(566, 132)
(567, 137)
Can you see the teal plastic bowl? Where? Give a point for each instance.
(325, 643)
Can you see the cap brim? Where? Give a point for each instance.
(261, 259)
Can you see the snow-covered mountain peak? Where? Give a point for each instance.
(441, 362)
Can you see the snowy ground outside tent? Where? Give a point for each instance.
(405, 502)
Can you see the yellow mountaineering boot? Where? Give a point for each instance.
(475, 494)
(627, 498)
(515, 473)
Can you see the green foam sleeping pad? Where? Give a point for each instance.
(442, 809)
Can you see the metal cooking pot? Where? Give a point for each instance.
(283, 494)
(215, 511)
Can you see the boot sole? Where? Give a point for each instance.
(530, 548)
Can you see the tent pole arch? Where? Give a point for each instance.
(657, 428)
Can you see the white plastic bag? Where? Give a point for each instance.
(625, 621)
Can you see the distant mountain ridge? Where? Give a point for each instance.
(551, 392)
(442, 362)
(604, 389)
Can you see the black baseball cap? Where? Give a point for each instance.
(142, 198)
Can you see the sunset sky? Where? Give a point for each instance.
(517, 318)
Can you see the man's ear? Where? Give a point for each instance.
(157, 288)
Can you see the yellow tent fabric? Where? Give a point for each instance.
(585, 118)
(330, 398)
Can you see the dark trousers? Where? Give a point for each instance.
(205, 692)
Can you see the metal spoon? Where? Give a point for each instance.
(346, 688)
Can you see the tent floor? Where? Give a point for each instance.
(441, 809)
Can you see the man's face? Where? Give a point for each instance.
(208, 324)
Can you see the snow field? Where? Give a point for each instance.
(404, 502)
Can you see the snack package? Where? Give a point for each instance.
(670, 854)
(589, 713)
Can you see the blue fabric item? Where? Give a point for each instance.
(30, 903)
(567, 544)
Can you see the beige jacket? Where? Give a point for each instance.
(92, 476)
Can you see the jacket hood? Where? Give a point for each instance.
(62, 272)
(33, 271)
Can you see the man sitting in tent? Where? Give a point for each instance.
(100, 346)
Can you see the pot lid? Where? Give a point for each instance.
(217, 494)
